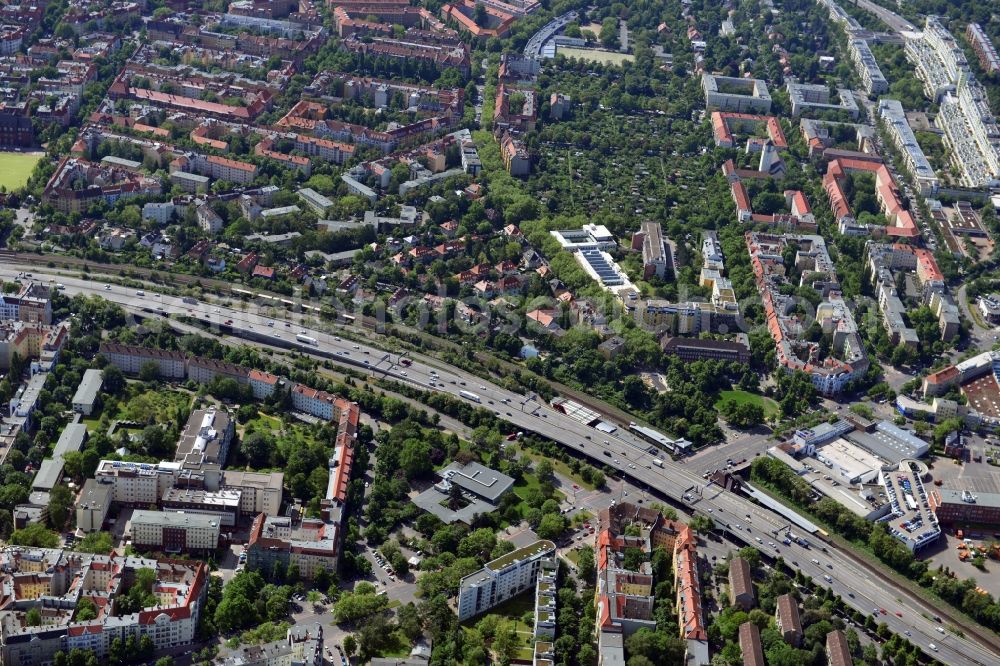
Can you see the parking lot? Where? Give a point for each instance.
(975, 476)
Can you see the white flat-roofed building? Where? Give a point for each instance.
(894, 118)
(92, 505)
(137, 484)
(260, 491)
(72, 439)
(502, 579)
(160, 213)
(871, 75)
(86, 393)
(190, 182)
(588, 237)
(315, 201)
(849, 463)
(726, 93)
(206, 437)
(354, 186)
(890, 443)
(280, 212)
(806, 97)
(175, 532)
(222, 505)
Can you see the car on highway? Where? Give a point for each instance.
(940, 630)
(759, 540)
(932, 646)
(828, 579)
(898, 614)
(815, 561)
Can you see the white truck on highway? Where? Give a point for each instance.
(301, 337)
(469, 395)
(657, 462)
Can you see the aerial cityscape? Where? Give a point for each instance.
(547, 333)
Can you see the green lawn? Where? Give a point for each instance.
(15, 168)
(770, 406)
(559, 466)
(524, 486)
(596, 55)
(396, 645)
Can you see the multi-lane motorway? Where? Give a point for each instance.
(621, 450)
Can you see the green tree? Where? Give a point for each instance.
(95, 542)
(585, 565)
(35, 534)
(149, 371)
(350, 645)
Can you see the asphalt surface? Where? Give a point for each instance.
(859, 588)
(895, 22)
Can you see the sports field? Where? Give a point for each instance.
(15, 168)
(595, 55)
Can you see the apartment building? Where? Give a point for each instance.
(311, 544)
(263, 384)
(516, 158)
(657, 258)
(31, 304)
(209, 221)
(687, 582)
(750, 645)
(970, 129)
(202, 370)
(502, 579)
(806, 98)
(741, 591)
(787, 618)
(894, 120)
(983, 46)
(31, 341)
(866, 66)
(316, 403)
(175, 532)
(63, 578)
(831, 374)
(726, 93)
(130, 359)
(838, 650)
